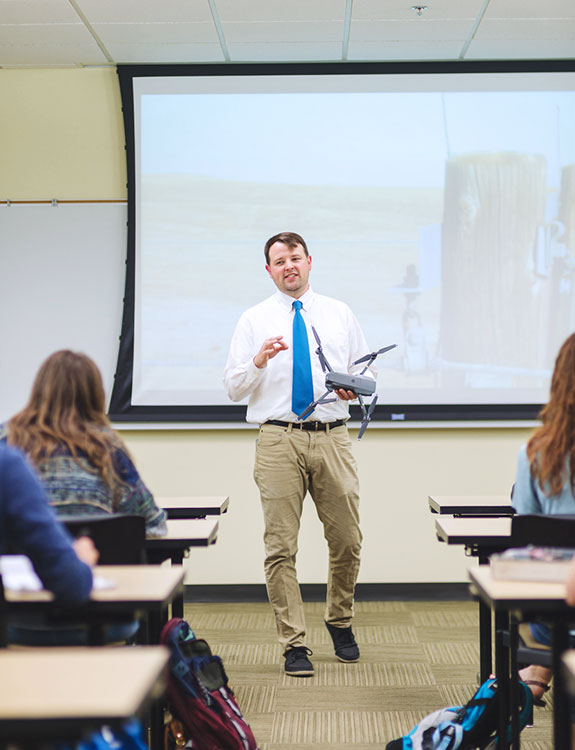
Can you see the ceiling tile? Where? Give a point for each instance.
(534, 49)
(36, 11)
(285, 51)
(289, 31)
(373, 10)
(51, 54)
(167, 53)
(515, 9)
(373, 31)
(521, 29)
(404, 50)
(156, 33)
(55, 33)
(280, 10)
(102, 11)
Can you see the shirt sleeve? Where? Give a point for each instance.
(241, 376)
(525, 499)
(30, 525)
(137, 498)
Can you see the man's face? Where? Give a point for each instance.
(289, 268)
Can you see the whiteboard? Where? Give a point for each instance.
(62, 274)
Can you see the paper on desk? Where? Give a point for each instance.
(18, 574)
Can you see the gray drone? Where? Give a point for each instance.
(359, 384)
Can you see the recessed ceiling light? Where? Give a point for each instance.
(419, 9)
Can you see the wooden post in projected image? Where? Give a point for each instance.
(562, 260)
(494, 205)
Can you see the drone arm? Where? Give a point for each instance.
(309, 409)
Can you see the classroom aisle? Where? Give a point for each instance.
(416, 657)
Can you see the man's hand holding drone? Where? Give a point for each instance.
(339, 382)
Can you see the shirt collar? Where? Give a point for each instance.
(286, 301)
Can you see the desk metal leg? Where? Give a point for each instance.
(514, 689)
(502, 674)
(561, 708)
(485, 642)
(178, 601)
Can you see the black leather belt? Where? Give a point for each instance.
(313, 426)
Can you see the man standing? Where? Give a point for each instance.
(269, 362)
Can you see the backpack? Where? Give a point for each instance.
(473, 725)
(199, 696)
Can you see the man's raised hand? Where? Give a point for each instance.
(269, 349)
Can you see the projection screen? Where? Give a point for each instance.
(438, 201)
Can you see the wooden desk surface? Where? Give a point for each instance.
(471, 505)
(186, 532)
(517, 594)
(473, 531)
(194, 506)
(136, 585)
(66, 683)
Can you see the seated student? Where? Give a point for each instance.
(28, 524)
(81, 461)
(545, 481)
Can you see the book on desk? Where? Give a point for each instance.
(532, 563)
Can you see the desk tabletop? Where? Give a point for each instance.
(96, 685)
(517, 594)
(135, 585)
(186, 532)
(194, 506)
(473, 531)
(471, 505)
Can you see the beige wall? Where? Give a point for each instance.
(398, 469)
(61, 136)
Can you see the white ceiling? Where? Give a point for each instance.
(76, 33)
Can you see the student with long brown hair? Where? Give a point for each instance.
(81, 461)
(545, 480)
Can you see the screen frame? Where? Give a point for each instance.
(121, 408)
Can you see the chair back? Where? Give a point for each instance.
(120, 538)
(542, 530)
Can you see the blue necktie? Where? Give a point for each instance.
(302, 382)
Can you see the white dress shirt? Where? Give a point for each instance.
(270, 388)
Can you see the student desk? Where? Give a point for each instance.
(183, 533)
(65, 693)
(471, 505)
(139, 589)
(480, 537)
(193, 507)
(526, 600)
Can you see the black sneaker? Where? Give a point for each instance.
(297, 664)
(346, 649)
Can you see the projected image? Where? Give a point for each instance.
(445, 219)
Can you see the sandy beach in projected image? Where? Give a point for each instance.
(202, 265)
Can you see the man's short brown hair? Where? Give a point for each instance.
(291, 239)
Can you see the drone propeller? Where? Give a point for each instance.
(325, 365)
(373, 355)
(367, 417)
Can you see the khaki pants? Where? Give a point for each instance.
(289, 463)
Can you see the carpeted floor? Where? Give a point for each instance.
(416, 657)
